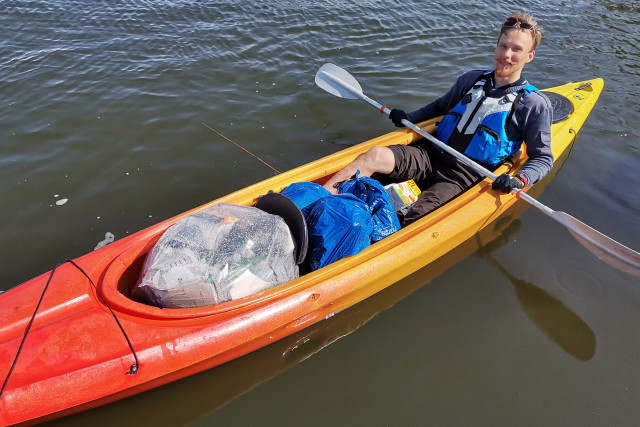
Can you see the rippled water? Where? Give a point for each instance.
(103, 107)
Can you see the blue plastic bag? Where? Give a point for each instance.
(305, 195)
(344, 224)
(385, 219)
(339, 226)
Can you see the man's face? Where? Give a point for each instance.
(514, 50)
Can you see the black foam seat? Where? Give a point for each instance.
(561, 105)
(278, 204)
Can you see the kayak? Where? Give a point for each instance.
(91, 343)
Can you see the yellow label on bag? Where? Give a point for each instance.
(407, 192)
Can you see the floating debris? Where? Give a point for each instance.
(108, 238)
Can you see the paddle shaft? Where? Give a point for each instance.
(383, 109)
(603, 246)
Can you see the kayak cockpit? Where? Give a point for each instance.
(121, 277)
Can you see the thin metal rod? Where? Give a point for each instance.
(240, 146)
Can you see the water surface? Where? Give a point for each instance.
(102, 113)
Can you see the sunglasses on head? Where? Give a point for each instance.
(514, 23)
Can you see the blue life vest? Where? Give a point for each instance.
(476, 125)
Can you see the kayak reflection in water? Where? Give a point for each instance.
(487, 116)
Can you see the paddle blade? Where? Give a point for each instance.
(338, 82)
(613, 253)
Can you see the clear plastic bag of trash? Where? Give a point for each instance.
(222, 253)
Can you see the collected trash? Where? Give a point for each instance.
(108, 238)
(339, 226)
(403, 195)
(383, 215)
(305, 194)
(344, 224)
(222, 253)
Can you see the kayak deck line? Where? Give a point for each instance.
(134, 367)
(74, 357)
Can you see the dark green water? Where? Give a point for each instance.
(102, 106)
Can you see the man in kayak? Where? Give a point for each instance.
(488, 114)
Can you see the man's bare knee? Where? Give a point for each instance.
(375, 160)
(379, 160)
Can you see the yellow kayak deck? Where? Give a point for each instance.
(409, 249)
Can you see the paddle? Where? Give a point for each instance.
(551, 315)
(340, 83)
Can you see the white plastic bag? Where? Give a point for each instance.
(222, 253)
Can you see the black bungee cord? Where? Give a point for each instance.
(134, 368)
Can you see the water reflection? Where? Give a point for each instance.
(549, 314)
